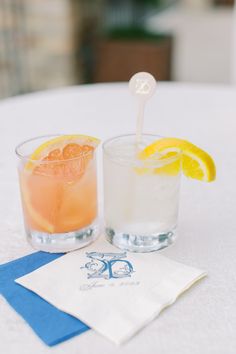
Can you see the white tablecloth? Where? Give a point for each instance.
(204, 319)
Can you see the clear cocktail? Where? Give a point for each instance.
(140, 196)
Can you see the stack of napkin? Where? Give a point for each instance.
(42, 317)
(112, 291)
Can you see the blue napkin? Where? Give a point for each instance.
(50, 324)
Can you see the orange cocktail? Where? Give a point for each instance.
(59, 191)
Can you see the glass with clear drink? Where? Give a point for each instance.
(141, 197)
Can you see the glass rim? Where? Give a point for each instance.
(158, 161)
(27, 158)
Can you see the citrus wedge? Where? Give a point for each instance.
(196, 163)
(52, 149)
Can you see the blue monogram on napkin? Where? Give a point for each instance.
(108, 265)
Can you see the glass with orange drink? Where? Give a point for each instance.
(58, 185)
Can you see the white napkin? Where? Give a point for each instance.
(114, 292)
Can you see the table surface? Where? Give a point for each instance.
(203, 320)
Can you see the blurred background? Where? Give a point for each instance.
(46, 44)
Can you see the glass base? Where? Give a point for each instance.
(139, 243)
(63, 242)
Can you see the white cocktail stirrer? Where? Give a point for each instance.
(143, 86)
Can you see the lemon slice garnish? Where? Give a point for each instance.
(196, 163)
